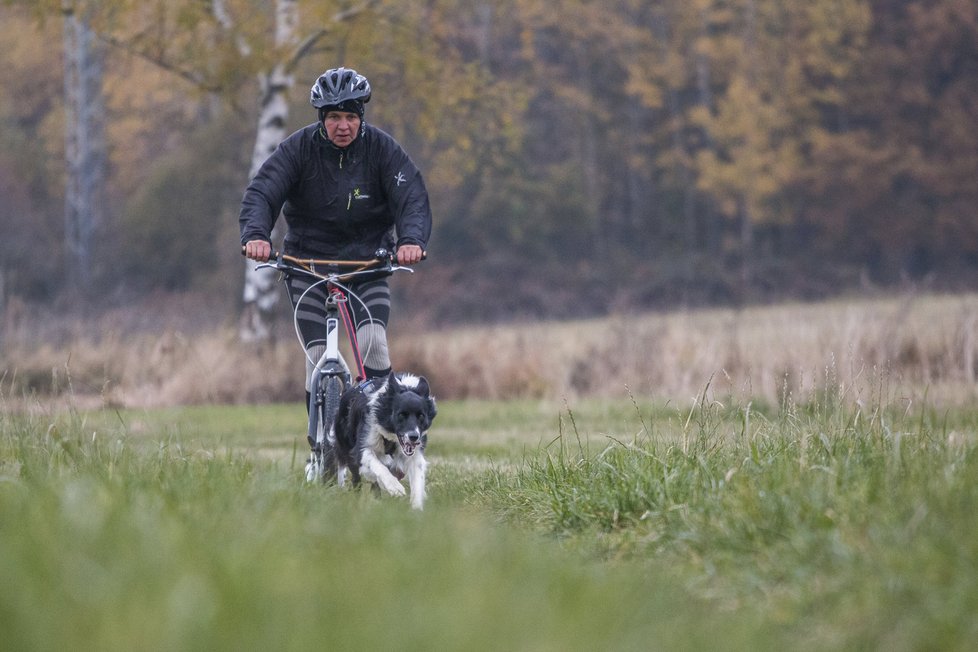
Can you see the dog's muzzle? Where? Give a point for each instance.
(409, 442)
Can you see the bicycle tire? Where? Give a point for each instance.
(325, 405)
(333, 388)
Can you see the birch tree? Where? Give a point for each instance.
(194, 40)
(84, 143)
(260, 292)
(261, 295)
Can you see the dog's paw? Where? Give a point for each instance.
(391, 485)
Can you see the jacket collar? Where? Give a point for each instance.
(349, 149)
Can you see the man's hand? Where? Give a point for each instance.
(409, 254)
(258, 250)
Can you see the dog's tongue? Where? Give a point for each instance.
(407, 447)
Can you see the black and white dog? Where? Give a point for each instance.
(380, 434)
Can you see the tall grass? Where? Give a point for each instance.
(114, 542)
(856, 526)
(764, 353)
(836, 524)
(760, 353)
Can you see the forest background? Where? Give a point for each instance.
(654, 154)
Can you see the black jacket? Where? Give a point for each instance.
(338, 203)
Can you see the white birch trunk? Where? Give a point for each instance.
(84, 144)
(260, 292)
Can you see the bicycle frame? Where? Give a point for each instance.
(331, 375)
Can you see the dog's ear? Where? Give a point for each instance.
(424, 390)
(392, 382)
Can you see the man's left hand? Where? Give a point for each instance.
(409, 254)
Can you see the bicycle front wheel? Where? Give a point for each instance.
(324, 405)
(332, 389)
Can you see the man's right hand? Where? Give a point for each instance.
(259, 250)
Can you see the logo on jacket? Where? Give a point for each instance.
(360, 195)
(399, 179)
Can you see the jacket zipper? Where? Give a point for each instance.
(349, 197)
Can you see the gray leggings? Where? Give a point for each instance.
(370, 318)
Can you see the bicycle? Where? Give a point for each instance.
(331, 375)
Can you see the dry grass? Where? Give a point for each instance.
(912, 344)
(152, 371)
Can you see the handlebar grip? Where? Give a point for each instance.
(271, 256)
(384, 254)
(424, 255)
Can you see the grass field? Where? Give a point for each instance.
(612, 524)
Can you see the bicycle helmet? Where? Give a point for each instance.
(340, 88)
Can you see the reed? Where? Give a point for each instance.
(921, 344)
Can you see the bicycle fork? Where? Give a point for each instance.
(330, 363)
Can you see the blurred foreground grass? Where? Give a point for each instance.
(601, 525)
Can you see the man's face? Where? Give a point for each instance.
(342, 127)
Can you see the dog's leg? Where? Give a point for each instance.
(373, 470)
(417, 468)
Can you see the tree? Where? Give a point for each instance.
(212, 45)
(890, 182)
(275, 83)
(260, 295)
(32, 139)
(84, 142)
(690, 147)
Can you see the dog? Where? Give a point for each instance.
(380, 434)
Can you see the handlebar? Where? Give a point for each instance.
(383, 263)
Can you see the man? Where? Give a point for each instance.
(346, 189)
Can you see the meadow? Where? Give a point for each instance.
(165, 353)
(835, 513)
